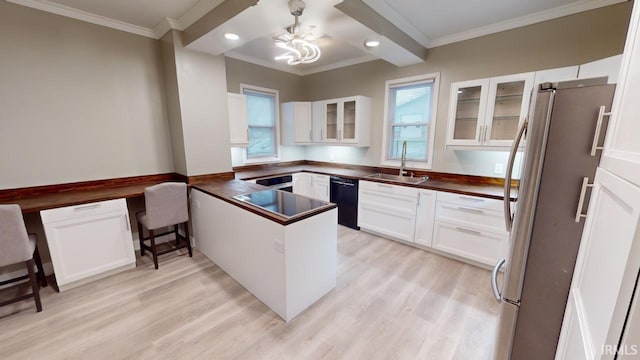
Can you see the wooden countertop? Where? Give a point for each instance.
(226, 190)
(35, 203)
(491, 191)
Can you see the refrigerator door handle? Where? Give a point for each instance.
(508, 220)
(494, 279)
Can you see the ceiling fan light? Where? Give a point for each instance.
(231, 36)
(372, 43)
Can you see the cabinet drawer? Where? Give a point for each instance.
(386, 222)
(469, 215)
(471, 201)
(84, 210)
(394, 202)
(389, 189)
(482, 246)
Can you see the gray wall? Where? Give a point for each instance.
(570, 40)
(202, 89)
(566, 41)
(77, 101)
(290, 88)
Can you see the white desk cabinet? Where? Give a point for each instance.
(88, 241)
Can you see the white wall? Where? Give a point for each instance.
(77, 101)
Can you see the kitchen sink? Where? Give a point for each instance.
(397, 178)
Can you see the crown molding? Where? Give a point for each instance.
(388, 12)
(339, 64)
(69, 12)
(250, 59)
(292, 70)
(200, 9)
(560, 11)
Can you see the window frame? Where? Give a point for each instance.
(387, 131)
(245, 153)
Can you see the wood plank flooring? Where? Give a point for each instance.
(391, 302)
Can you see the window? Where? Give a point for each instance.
(262, 116)
(410, 110)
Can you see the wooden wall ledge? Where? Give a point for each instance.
(36, 198)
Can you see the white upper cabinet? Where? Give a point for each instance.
(609, 67)
(343, 121)
(296, 123)
(238, 123)
(555, 75)
(486, 113)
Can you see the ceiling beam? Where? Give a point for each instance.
(368, 17)
(214, 18)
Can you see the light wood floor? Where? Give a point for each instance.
(391, 302)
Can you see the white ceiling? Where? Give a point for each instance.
(432, 23)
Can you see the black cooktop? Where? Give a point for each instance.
(281, 202)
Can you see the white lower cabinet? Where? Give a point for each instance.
(311, 185)
(320, 187)
(425, 216)
(88, 241)
(470, 227)
(466, 227)
(387, 209)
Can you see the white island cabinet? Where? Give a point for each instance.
(88, 241)
(287, 267)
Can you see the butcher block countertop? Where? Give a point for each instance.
(459, 184)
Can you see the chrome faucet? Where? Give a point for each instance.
(403, 159)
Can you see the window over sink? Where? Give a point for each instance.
(410, 113)
(262, 117)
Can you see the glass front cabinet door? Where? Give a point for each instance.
(468, 102)
(486, 113)
(507, 107)
(343, 121)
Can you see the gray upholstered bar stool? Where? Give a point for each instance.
(166, 205)
(16, 246)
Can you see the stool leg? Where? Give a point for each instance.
(187, 239)
(153, 249)
(141, 237)
(41, 275)
(175, 230)
(34, 285)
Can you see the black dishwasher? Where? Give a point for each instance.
(344, 193)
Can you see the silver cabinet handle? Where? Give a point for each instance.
(494, 279)
(596, 136)
(321, 134)
(471, 199)
(339, 135)
(486, 128)
(472, 232)
(481, 134)
(126, 222)
(508, 220)
(247, 134)
(475, 211)
(583, 193)
(86, 207)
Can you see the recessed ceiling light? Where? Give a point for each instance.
(371, 43)
(231, 36)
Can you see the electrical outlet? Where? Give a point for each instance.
(499, 168)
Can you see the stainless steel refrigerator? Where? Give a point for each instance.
(562, 137)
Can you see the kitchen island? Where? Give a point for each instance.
(280, 246)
